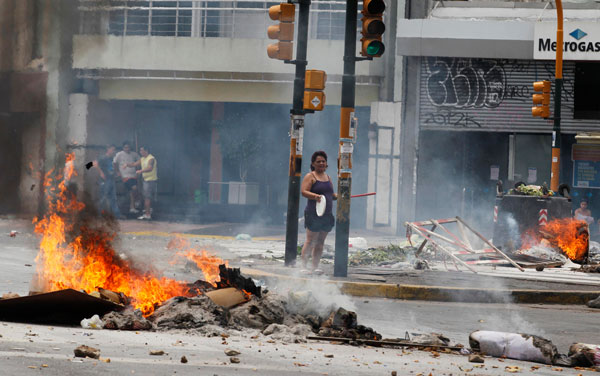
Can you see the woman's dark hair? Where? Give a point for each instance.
(318, 153)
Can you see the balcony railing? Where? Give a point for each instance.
(204, 19)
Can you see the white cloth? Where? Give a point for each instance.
(589, 220)
(122, 159)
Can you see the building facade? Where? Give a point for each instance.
(464, 115)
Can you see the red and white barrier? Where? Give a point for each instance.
(543, 217)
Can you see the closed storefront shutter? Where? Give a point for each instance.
(464, 94)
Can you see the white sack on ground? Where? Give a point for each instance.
(513, 345)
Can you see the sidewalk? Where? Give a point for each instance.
(262, 259)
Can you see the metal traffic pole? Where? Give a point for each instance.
(342, 218)
(297, 136)
(558, 85)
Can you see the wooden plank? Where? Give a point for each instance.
(489, 243)
(459, 242)
(424, 242)
(463, 234)
(441, 248)
(372, 342)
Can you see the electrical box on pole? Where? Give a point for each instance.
(284, 32)
(372, 28)
(314, 84)
(541, 99)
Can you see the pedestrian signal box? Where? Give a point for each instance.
(314, 84)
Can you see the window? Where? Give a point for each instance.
(587, 82)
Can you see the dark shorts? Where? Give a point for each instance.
(130, 183)
(318, 224)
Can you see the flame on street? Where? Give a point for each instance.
(79, 254)
(206, 262)
(568, 234)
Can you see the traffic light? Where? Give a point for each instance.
(542, 99)
(372, 28)
(284, 31)
(314, 84)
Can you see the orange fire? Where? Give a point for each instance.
(568, 234)
(79, 255)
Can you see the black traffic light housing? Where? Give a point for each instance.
(372, 28)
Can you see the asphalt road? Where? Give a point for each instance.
(30, 349)
(563, 325)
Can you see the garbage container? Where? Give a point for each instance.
(515, 214)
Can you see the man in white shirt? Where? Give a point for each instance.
(122, 160)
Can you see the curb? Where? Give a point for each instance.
(444, 294)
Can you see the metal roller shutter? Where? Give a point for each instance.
(491, 95)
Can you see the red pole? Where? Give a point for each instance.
(364, 194)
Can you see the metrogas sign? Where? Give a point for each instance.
(581, 41)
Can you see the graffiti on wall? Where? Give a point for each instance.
(466, 93)
(463, 83)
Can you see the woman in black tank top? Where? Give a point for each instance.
(315, 184)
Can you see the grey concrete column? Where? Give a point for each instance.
(409, 142)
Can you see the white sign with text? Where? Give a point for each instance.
(581, 41)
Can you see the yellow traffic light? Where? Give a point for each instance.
(372, 28)
(284, 32)
(314, 84)
(542, 101)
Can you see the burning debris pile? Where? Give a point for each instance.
(557, 239)
(78, 263)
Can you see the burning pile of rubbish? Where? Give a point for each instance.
(81, 278)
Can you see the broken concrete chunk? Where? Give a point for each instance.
(84, 351)
(595, 303)
(128, 319)
(513, 345)
(232, 352)
(9, 295)
(188, 313)
(474, 358)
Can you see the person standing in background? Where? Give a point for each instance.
(108, 194)
(149, 174)
(127, 174)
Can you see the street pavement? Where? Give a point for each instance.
(262, 258)
(25, 349)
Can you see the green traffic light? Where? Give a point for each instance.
(375, 48)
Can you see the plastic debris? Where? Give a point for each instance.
(243, 237)
(357, 243)
(584, 355)
(513, 345)
(92, 323)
